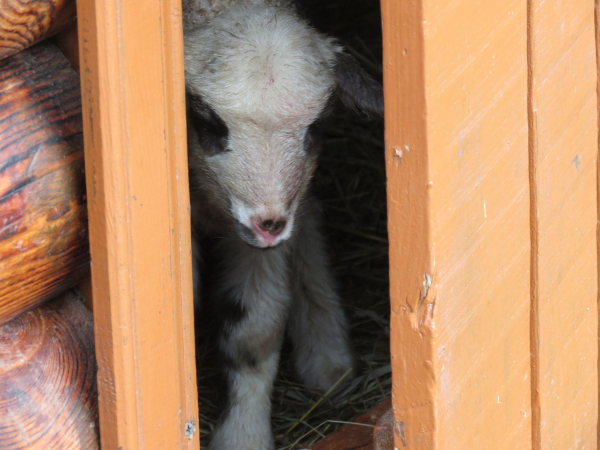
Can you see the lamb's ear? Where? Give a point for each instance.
(356, 88)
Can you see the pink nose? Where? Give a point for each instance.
(268, 230)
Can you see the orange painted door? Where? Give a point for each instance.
(491, 146)
(564, 149)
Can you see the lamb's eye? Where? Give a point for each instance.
(213, 134)
(212, 130)
(312, 144)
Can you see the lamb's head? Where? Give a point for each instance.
(258, 80)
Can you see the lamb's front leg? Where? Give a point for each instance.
(317, 325)
(252, 300)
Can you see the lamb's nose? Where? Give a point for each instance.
(273, 227)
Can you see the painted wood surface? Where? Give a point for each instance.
(597, 23)
(131, 59)
(564, 151)
(458, 197)
(43, 214)
(25, 22)
(48, 397)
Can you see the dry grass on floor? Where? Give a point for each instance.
(350, 183)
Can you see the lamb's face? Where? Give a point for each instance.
(257, 166)
(258, 79)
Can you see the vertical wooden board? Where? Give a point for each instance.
(476, 64)
(456, 111)
(415, 375)
(597, 27)
(131, 57)
(564, 153)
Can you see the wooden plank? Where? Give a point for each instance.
(383, 433)
(23, 23)
(48, 396)
(131, 57)
(43, 213)
(458, 198)
(358, 435)
(597, 27)
(564, 150)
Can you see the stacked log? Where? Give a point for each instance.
(48, 394)
(25, 22)
(43, 214)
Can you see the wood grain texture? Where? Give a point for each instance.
(131, 57)
(564, 152)
(455, 78)
(48, 397)
(356, 437)
(25, 22)
(43, 214)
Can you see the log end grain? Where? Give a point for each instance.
(23, 23)
(48, 394)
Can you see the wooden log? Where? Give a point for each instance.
(43, 215)
(48, 395)
(26, 22)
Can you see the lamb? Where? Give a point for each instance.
(258, 80)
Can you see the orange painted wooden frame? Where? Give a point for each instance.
(491, 151)
(131, 60)
(563, 148)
